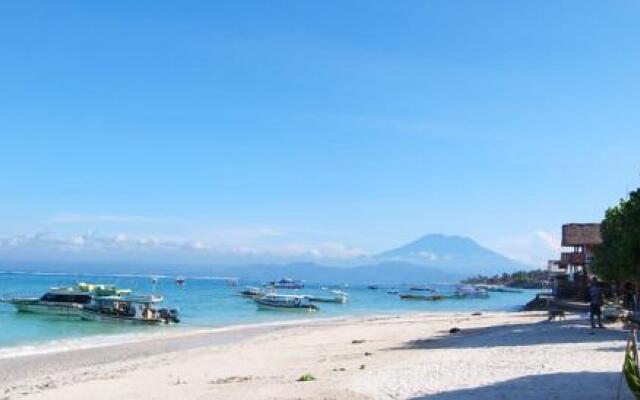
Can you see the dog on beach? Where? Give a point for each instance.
(556, 315)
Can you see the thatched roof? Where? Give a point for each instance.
(581, 234)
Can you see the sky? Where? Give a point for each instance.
(312, 129)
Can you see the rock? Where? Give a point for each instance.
(476, 313)
(366, 353)
(363, 366)
(454, 330)
(358, 341)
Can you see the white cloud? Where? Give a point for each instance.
(90, 245)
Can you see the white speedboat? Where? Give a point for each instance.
(64, 300)
(274, 301)
(136, 309)
(338, 297)
(468, 291)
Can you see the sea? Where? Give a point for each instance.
(203, 302)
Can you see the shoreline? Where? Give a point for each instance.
(401, 356)
(92, 341)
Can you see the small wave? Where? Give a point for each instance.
(62, 345)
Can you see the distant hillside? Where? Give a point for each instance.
(432, 258)
(453, 254)
(388, 272)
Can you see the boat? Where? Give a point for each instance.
(423, 288)
(274, 301)
(180, 281)
(136, 309)
(392, 291)
(468, 291)
(338, 297)
(373, 287)
(421, 296)
(252, 292)
(286, 283)
(499, 289)
(65, 300)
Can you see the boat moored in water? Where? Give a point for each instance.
(421, 296)
(499, 288)
(274, 301)
(67, 301)
(137, 309)
(468, 291)
(252, 292)
(286, 283)
(423, 288)
(339, 297)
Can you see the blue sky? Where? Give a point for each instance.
(328, 128)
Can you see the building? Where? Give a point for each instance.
(571, 272)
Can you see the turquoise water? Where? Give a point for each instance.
(206, 302)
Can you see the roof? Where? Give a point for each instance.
(581, 234)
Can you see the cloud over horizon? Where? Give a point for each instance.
(92, 246)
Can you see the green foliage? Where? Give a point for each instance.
(523, 279)
(618, 258)
(306, 378)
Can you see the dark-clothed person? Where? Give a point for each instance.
(597, 300)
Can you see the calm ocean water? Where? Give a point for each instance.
(203, 302)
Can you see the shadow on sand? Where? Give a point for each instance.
(581, 385)
(526, 334)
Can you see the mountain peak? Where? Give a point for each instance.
(453, 252)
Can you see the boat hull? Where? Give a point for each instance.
(47, 309)
(327, 300)
(267, 306)
(94, 316)
(423, 298)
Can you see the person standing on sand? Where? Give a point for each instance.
(595, 309)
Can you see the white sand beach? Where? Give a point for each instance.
(494, 356)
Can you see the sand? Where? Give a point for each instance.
(494, 356)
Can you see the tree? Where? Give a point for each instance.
(618, 258)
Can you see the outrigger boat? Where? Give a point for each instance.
(273, 301)
(338, 297)
(67, 301)
(137, 309)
